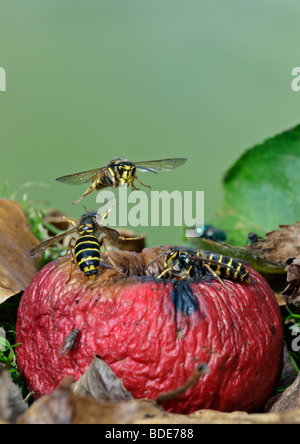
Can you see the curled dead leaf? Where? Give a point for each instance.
(16, 240)
(63, 406)
(136, 245)
(291, 293)
(292, 267)
(11, 401)
(100, 383)
(289, 399)
(278, 245)
(59, 220)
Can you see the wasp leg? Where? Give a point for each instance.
(186, 274)
(135, 177)
(88, 191)
(133, 187)
(217, 277)
(73, 260)
(106, 213)
(164, 272)
(109, 259)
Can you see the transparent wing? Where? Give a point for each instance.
(110, 232)
(80, 178)
(215, 262)
(160, 165)
(151, 165)
(36, 251)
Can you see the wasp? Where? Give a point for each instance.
(202, 264)
(87, 246)
(118, 172)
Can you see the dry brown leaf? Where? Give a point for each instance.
(59, 220)
(100, 383)
(290, 398)
(16, 240)
(291, 293)
(63, 406)
(56, 408)
(136, 245)
(11, 401)
(279, 244)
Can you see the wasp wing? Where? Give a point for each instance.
(220, 264)
(36, 251)
(151, 165)
(160, 165)
(83, 177)
(110, 232)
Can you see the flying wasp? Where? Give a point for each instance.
(118, 172)
(87, 246)
(202, 264)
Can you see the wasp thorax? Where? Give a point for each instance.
(87, 224)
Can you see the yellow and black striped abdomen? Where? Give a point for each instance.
(87, 254)
(228, 267)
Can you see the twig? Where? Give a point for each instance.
(202, 369)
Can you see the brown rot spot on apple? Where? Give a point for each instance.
(153, 332)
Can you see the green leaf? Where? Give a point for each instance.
(262, 189)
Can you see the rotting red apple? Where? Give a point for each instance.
(153, 333)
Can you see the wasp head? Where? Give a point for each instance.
(125, 171)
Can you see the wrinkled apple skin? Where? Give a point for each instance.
(153, 333)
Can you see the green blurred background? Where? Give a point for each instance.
(91, 80)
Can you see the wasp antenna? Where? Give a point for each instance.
(155, 259)
(106, 201)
